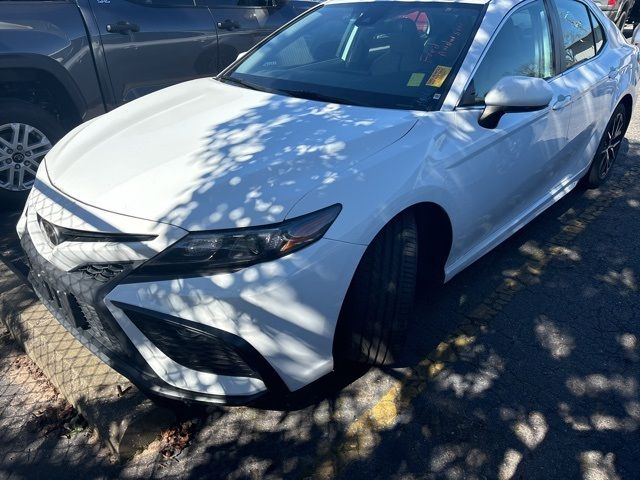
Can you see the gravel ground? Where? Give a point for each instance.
(545, 384)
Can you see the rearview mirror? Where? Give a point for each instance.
(512, 95)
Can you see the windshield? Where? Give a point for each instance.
(380, 54)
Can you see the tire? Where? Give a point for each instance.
(622, 21)
(608, 148)
(379, 303)
(43, 128)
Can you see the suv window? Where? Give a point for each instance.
(577, 35)
(523, 47)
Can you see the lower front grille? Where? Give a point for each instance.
(92, 327)
(191, 347)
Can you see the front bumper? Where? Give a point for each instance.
(227, 338)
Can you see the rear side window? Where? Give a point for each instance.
(577, 34)
(522, 47)
(598, 32)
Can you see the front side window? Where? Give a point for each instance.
(522, 47)
(380, 54)
(577, 35)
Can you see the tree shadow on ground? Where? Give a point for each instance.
(548, 388)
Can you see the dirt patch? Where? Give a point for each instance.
(175, 439)
(56, 415)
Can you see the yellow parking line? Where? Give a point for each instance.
(361, 436)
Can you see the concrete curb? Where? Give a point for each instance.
(125, 420)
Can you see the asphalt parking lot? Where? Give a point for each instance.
(526, 365)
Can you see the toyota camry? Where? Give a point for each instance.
(250, 233)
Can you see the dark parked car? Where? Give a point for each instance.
(617, 10)
(65, 61)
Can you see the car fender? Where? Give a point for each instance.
(379, 188)
(43, 63)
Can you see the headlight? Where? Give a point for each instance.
(228, 250)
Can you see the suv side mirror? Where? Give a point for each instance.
(512, 95)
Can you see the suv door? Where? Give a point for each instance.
(151, 44)
(512, 169)
(243, 23)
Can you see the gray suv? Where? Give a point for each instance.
(63, 62)
(617, 10)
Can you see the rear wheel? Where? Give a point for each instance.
(376, 312)
(609, 148)
(622, 21)
(27, 133)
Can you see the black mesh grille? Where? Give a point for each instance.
(191, 347)
(92, 327)
(69, 296)
(101, 272)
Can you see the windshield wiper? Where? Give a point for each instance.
(306, 94)
(320, 97)
(241, 83)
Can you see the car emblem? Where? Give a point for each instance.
(51, 232)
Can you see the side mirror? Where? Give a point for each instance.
(513, 95)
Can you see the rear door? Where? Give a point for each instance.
(243, 23)
(238, 26)
(590, 80)
(151, 44)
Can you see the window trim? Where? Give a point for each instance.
(558, 72)
(592, 18)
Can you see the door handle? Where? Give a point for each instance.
(563, 101)
(228, 24)
(122, 27)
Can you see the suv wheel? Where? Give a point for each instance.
(27, 133)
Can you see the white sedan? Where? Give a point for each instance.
(249, 233)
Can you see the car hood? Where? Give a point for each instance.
(206, 155)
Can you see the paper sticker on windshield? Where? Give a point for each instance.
(438, 76)
(415, 80)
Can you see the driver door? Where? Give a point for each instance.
(511, 169)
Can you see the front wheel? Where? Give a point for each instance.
(608, 149)
(379, 303)
(27, 133)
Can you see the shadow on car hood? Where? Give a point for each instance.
(205, 155)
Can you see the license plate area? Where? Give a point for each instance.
(59, 300)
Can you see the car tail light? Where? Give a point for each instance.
(612, 2)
